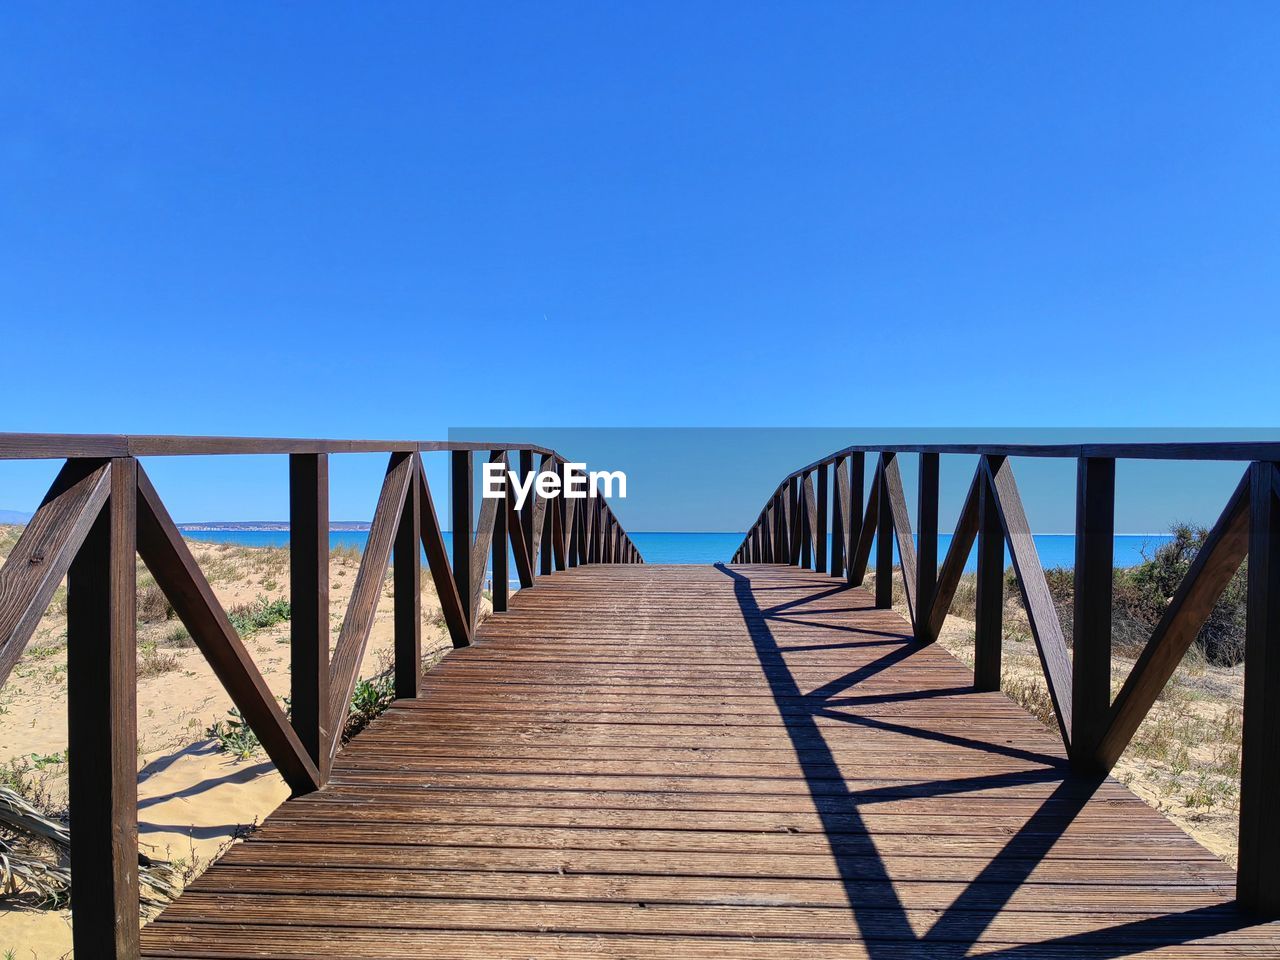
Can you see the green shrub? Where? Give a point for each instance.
(259, 614)
(370, 699)
(234, 735)
(1154, 582)
(1141, 594)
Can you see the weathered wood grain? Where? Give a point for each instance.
(751, 761)
(45, 550)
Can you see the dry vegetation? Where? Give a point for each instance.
(1185, 757)
(187, 734)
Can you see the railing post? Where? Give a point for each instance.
(795, 529)
(780, 542)
(806, 526)
(1258, 876)
(839, 525)
(597, 531)
(857, 481)
(564, 539)
(500, 549)
(989, 615)
(102, 725)
(558, 518)
(820, 557)
(546, 559)
(575, 535)
(526, 512)
(309, 602)
(462, 495)
(406, 573)
(1091, 614)
(884, 541)
(927, 543)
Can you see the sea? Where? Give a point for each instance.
(1055, 550)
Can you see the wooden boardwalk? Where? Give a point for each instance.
(694, 762)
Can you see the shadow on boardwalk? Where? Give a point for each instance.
(878, 911)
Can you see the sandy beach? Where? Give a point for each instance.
(194, 799)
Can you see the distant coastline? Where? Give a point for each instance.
(265, 526)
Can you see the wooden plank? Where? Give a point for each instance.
(499, 550)
(309, 605)
(854, 574)
(884, 539)
(891, 476)
(27, 446)
(451, 606)
(569, 521)
(927, 552)
(44, 552)
(840, 519)
(483, 539)
(577, 511)
(795, 524)
(526, 513)
(820, 528)
(782, 533)
(1042, 615)
(462, 510)
(556, 523)
(1242, 451)
(1215, 563)
(406, 573)
(353, 636)
(1091, 614)
(591, 534)
(62, 446)
(169, 559)
(665, 761)
(988, 626)
(1258, 876)
(539, 520)
(519, 548)
(544, 522)
(560, 522)
(102, 725)
(809, 521)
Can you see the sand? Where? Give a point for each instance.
(194, 800)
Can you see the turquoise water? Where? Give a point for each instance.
(1056, 550)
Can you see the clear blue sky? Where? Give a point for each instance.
(386, 220)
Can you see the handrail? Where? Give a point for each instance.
(103, 511)
(60, 446)
(1238, 451)
(791, 528)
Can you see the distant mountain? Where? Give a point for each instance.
(266, 525)
(14, 516)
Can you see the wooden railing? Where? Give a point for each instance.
(792, 528)
(102, 512)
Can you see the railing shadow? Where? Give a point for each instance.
(881, 916)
